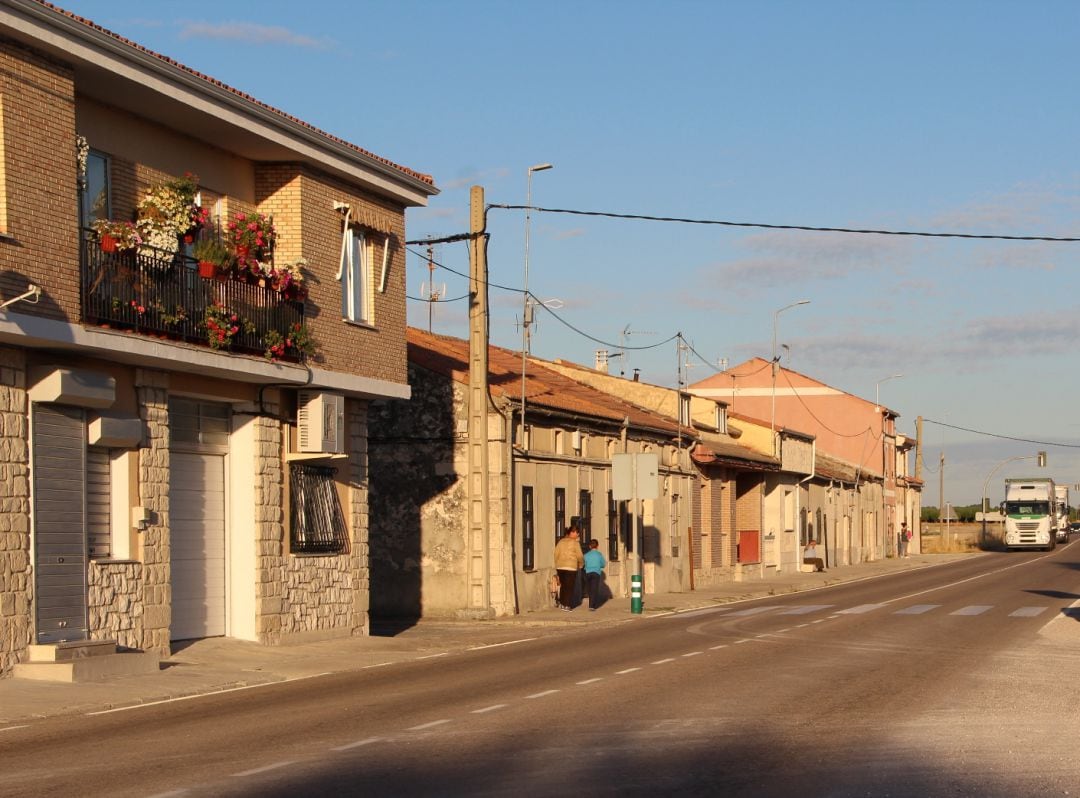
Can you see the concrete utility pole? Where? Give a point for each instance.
(478, 542)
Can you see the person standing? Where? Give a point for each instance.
(594, 573)
(905, 537)
(568, 561)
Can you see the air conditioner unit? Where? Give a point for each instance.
(320, 422)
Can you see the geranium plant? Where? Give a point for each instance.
(170, 213)
(252, 238)
(223, 324)
(113, 236)
(297, 340)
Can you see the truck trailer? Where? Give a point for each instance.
(1030, 514)
(1061, 511)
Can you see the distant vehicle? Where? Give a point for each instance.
(1030, 517)
(1074, 528)
(1061, 509)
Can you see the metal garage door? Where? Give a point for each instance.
(197, 521)
(59, 468)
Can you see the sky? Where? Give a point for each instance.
(919, 116)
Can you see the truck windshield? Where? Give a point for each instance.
(1027, 508)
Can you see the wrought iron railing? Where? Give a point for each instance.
(155, 293)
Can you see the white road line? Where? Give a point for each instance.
(751, 611)
(13, 728)
(974, 609)
(492, 708)
(430, 725)
(628, 670)
(781, 631)
(376, 665)
(590, 681)
(662, 661)
(739, 642)
(186, 698)
(722, 645)
(256, 771)
(860, 609)
(432, 656)
(499, 645)
(917, 609)
(1027, 612)
(821, 620)
(693, 653)
(807, 609)
(358, 743)
(541, 695)
(705, 611)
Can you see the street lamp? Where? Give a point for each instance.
(877, 388)
(1039, 457)
(525, 309)
(775, 320)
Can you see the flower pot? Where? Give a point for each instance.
(108, 243)
(207, 269)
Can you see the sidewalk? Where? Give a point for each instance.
(217, 664)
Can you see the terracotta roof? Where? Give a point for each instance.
(544, 388)
(246, 97)
(732, 454)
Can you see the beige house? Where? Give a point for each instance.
(184, 450)
(555, 469)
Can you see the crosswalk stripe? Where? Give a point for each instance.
(751, 611)
(1028, 612)
(807, 609)
(860, 609)
(917, 609)
(974, 609)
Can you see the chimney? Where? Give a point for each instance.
(637, 373)
(602, 360)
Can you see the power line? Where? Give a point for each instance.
(766, 226)
(1003, 437)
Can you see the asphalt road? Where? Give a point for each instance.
(951, 681)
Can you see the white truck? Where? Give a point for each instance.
(1061, 510)
(1030, 516)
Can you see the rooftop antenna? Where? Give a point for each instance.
(626, 333)
(429, 291)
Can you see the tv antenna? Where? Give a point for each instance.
(626, 333)
(428, 290)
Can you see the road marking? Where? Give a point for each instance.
(256, 771)
(498, 645)
(705, 611)
(432, 656)
(541, 695)
(358, 743)
(376, 665)
(492, 708)
(820, 620)
(722, 645)
(693, 653)
(193, 697)
(430, 725)
(628, 670)
(974, 609)
(662, 661)
(751, 611)
(781, 631)
(590, 681)
(917, 609)
(806, 610)
(13, 728)
(1027, 612)
(744, 640)
(859, 610)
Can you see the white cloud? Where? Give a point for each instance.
(252, 33)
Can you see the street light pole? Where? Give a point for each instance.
(525, 310)
(775, 321)
(1039, 457)
(877, 387)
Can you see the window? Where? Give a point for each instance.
(673, 521)
(721, 419)
(355, 276)
(612, 528)
(684, 409)
(789, 510)
(317, 523)
(94, 196)
(528, 531)
(626, 524)
(99, 531)
(585, 517)
(560, 513)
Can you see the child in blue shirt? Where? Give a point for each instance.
(594, 573)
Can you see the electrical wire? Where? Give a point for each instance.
(795, 391)
(1003, 437)
(437, 301)
(765, 226)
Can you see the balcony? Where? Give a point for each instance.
(157, 294)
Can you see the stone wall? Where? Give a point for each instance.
(152, 633)
(16, 579)
(116, 602)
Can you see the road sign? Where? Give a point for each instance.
(635, 476)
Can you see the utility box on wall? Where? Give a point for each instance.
(320, 422)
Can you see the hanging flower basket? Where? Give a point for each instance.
(108, 243)
(207, 270)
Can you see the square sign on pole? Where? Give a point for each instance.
(635, 476)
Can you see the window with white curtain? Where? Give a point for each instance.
(356, 285)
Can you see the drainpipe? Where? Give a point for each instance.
(798, 503)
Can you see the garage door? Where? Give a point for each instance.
(197, 516)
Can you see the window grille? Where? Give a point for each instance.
(528, 532)
(318, 524)
(560, 513)
(612, 528)
(626, 523)
(585, 518)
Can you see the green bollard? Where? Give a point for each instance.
(635, 594)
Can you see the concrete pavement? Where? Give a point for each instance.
(220, 664)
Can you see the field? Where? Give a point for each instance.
(951, 538)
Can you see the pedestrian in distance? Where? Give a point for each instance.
(905, 538)
(594, 573)
(568, 561)
(810, 556)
